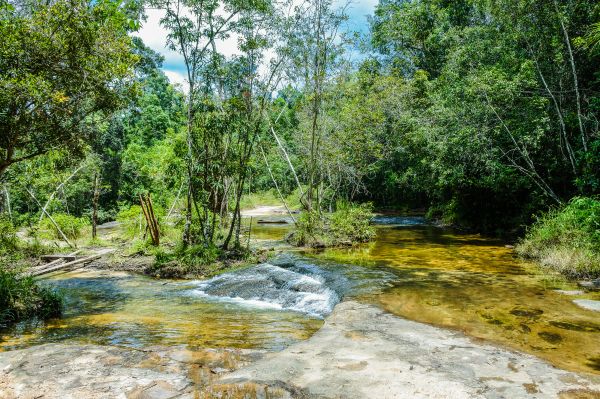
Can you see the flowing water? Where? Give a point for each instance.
(424, 273)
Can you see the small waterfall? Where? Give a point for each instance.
(302, 288)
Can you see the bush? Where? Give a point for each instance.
(8, 236)
(349, 224)
(567, 240)
(181, 262)
(21, 297)
(70, 225)
(132, 221)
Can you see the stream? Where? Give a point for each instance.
(414, 270)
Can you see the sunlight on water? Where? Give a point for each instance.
(130, 310)
(475, 285)
(424, 273)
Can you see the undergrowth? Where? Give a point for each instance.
(199, 261)
(567, 240)
(21, 296)
(349, 224)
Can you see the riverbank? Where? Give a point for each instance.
(360, 352)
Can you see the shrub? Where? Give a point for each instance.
(196, 259)
(349, 224)
(71, 226)
(567, 240)
(132, 221)
(8, 236)
(21, 297)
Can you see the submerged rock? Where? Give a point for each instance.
(363, 352)
(588, 304)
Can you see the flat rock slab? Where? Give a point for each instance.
(59, 371)
(588, 304)
(363, 352)
(570, 292)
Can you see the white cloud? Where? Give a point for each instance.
(176, 77)
(155, 37)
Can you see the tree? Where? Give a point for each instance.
(53, 79)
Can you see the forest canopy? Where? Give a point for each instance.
(482, 113)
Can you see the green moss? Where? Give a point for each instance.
(567, 240)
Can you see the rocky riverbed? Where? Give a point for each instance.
(360, 352)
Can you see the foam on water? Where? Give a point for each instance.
(301, 289)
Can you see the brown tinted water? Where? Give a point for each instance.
(424, 273)
(477, 286)
(112, 308)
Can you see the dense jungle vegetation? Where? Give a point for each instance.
(485, 114)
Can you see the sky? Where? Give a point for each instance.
(154, 36)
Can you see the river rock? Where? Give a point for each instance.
(570, 292)
(588, 304)
(363, 352)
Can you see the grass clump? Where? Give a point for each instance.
(349, 224)
(20, 296)
(567, 240)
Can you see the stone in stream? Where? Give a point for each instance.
(589, 304)
(570, 292)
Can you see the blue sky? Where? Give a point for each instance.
(155, 37)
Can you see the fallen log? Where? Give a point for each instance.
(59, 256)
(53, 263)
(279, 221)
(82, 261)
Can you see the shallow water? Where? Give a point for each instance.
(424, 273)
(135, 311)
(475, 285)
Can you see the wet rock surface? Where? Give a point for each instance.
(361, 352)
(588, 304)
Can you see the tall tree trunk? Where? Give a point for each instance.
(574, 73)
(95, 204)
(187, 239)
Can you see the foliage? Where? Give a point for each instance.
(349, 224)
(70, 225)
(21, 297)
(8, 237)
(269, 198)
(197, 260)
(567, 239)
(53, 79)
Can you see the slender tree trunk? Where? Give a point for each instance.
(187, 239)
(7, 197)
(574, 73)
(51, 220)
(95, 204)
